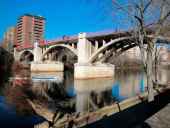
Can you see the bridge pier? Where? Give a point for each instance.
(47, 67)
(38, 66)
(89, 71)
(16, 55)
(84, 69)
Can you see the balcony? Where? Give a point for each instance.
(40, 25)
(38, 30)
(19, 22)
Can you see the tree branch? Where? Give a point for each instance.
(147, 6)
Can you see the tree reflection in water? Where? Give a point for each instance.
(101, 99)
(44, 98)
(51, 94)
(15, 91)
(17, 97)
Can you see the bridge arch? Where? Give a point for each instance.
(73, 50)
(121, 44)
(27, 55)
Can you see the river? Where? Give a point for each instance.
(27, 101)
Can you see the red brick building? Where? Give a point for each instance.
(30, 28)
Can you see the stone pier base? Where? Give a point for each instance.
(47, 67)
(88, 71)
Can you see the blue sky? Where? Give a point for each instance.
(63, 17)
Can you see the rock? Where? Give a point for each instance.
(44, 124)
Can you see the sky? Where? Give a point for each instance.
(63, 17)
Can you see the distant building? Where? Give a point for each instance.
(133, 53)
(30, 28)
(163, 53)
(9, 39)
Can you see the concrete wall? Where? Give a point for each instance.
(47, 67)
(93, 71)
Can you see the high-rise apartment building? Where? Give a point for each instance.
(9, 39)
(30, 28)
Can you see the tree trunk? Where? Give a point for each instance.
(156, 64)
(142, 48)
(150, 72)
(142, 51)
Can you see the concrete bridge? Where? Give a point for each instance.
(88, 51)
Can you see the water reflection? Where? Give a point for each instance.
(48, 94)
(57, 77)
(116, 92)
(130, 83)
(92, 94)
(14, 107)
(51, 94)
(163, 76)
(16, 96)
(47, 86)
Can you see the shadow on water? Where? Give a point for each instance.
(143, 125)
(132, 117)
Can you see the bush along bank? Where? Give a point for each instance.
(6, 62)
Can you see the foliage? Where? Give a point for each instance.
(6, 61)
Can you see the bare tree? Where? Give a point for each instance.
(141, 14)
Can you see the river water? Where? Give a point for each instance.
(31, 100)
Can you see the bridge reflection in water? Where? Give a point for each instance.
(81, 96)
